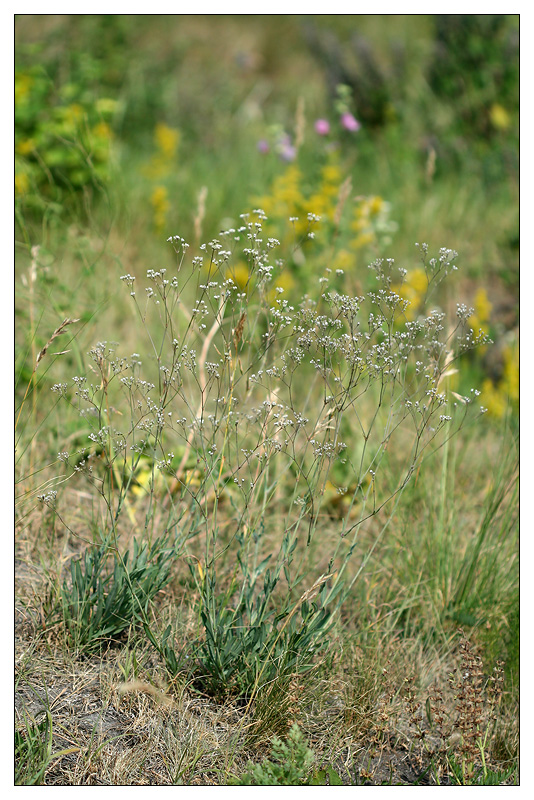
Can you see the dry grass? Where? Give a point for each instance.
(125, 721)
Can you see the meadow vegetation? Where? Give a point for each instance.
(267, 392)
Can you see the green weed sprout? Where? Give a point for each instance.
(290, 763)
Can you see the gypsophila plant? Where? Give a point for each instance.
(240, 399)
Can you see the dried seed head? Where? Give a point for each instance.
(56, 333)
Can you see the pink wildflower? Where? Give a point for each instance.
(322, 127)
(349, 122)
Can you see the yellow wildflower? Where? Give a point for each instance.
(23, 85)
(343, 260)
(287, 189)
(417, 281)
(498, 397)
(319, 204)
(22, 184)
(376, 205)
(478, 321)
(483, 306)
(285, 281)
(285, 198)
(161, 205)
(331, 173)
(362, 240)
(511, 372)
(499, 117)
(493, 398)
(26, 147)
(102, 130)
(413, 289)
(323, 202)
(167, 140)
(73, 113)
(240, 275)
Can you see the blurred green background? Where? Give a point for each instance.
(133, 128)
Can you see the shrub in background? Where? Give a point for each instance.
(63, 137)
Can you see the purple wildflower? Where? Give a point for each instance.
(286, 150)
